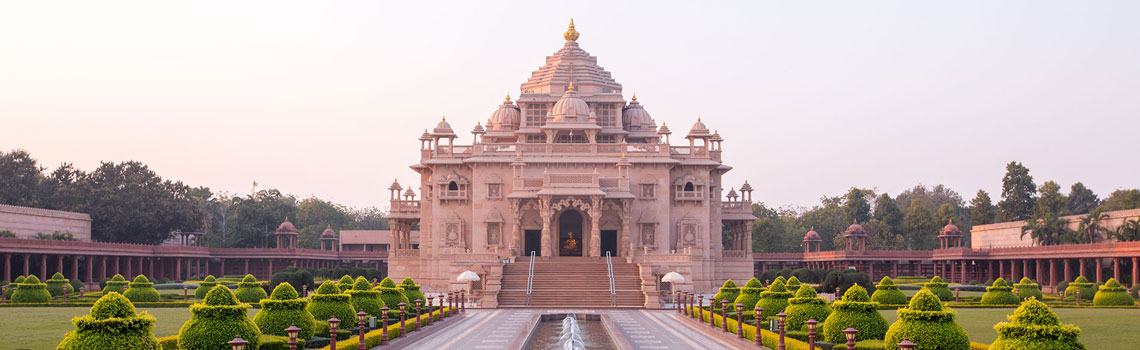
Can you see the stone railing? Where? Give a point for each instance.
(666, 258)
(405, 208)
(736, 254)
(406, 253)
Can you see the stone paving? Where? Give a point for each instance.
(641, 329)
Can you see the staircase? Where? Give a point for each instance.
(571, 282)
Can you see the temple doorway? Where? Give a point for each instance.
(533, 242)
(609, 242)
(570, 230)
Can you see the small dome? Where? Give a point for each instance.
(855, 230)
(636, 117)
(698, 129)
(478, 129)
(664, 130)
(409, 192)
(950, 229)
(812, 236)
(395, 186)
(443, 129)
(426, 136)
(570, 106)
(746, 187)
(506, 118)
(732, 193)
(328, 233)
(286, 227)
(716, 136)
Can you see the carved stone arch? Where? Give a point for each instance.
(493, 179)
(453, 176)
(687, 178)
(570, 202)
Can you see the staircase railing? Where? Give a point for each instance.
(530, 279)
(610, 271)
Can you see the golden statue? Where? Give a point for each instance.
(570, 243)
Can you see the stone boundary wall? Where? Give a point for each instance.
(1008, 234)
(26, 222)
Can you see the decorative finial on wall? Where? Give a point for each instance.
(571, 34)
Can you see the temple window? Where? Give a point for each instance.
(648, 191)
(689, 191)
(451, 186)
(607, 138)
(535, 138)
(571, 138)
(494, 190)
(605, 113)
(536, 114)
(688, 186)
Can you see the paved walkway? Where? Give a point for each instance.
(504, 328)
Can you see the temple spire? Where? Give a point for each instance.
(571, 34)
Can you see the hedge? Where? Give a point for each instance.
(216, 321)
(268, 342)
(392, 295)
(1113, 294)
(774, 300)
(750, 294)
(887, 293)
(1026, 289)
(728, 291)
(249, 290)
(412, 291)
(141, 290)
(365, 299)
(804, 306)
(1000, 294)
(793, 283)
(328, 302)
(345, 283)
(31, 290)
(372, 339)
(12, 287)
(1034, 326)
(112, 324)
(283, 309)
(57, 285)
(876, 344)
(767, 338)
(927, 323)
(205, 286)
(856, 308)
(939, 288)
(116, 284)
(1082, 284)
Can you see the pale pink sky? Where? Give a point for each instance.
(327, 99)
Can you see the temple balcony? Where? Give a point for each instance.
(404, 209)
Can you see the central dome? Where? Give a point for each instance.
(570, 108)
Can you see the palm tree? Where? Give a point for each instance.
(1049, 230)
(1128, 231)
(1090, 230)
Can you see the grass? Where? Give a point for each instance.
(1100, 328)
(43, 327)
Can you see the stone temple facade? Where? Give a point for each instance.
(571, 168)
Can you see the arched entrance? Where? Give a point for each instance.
(570, 229)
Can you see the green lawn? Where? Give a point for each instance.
(1100, 328)
(43, 327)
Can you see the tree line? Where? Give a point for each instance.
(129, 203)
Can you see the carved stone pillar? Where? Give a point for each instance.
(515, 244)
(544, 203)
(595, 228)
(627, 235)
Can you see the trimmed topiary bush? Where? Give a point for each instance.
(412, 291)
(205, 286)
(76, 284)
(1034, 326)
(249, 290)
(930, 325)
(282, 309)
(141, 290)
(116, 284)
(215, 321)
(940, 288)
(12, 287)
(1113, 294)
(1026, 289)
(1000, 294)
(345, 283)
(750, 294)
(31, 290)
(793, 283)
(365, 299)
(856, 309)
(328, 302)
(1082, 284)
(112, 324)
(780, 279)
(774, 300)
(887, 293)
(57, 285)
(804, 306)
(392, 295)
(728, 291)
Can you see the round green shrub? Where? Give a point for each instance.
(283, 309)
(116, 284)
(793, 283)
(1000, 294)
(804, 306)
(1026, 289)
(76, 284)
(774, 300)
(1082, 284)
(412, 291)
(328, 302)
(249, 290)
(365, 299)
(345, 283)
(12, 286)
(392, 295)
(728, 291)
(926, 322)
(205, 286)
(141, 290)
(112, 324)
(887, 293)
(940, 288)
(215, 321)
(780, 279)
(856, 309)
(31, 291)
(1034, 326)
(750, 294)
(1113, 294)
(57, 285)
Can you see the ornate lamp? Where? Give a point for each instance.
(781, 317)
(850, 334)
(238, 343)
(418, 304)
(906, 344)
(740, 320)
(384, 325)
(292, 332)
(811, 322)
(333, 322)
(403, 318)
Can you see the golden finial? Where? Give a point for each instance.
(635, 96)
(571, 34)
(662, 123)
(571, 87)
(478, 123)
(698, 119)
(445, 118)
(622, 155)
(508, 96)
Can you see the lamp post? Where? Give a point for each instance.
(186, 295)
(403, 318)
(676, 301)
(3, 293)
(688, 301)
(304, 291)
(700, 307)
(724, 314)
(756, 317)
(238, 343)
(429, 310)
(462, 300)
(906, 344)
(442, 309)
(811, 322)
(82, 291)
(781, 316)
(418, 304)
(292, 331)
(384, 325)
(333, 322)
(956, 290)
(360, 316)
(740, 320)
(850, 334)
(1078, 297)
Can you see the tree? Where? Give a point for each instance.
(1091, 229)
(1128, 231)
(1048, 230)
(1050, 200)
(1017, 193)
(315, 215)
(1122, 200)
(254, 218)
(945, 215)
(887, 211)
(1081, 199)
(856, 204)
(982, 209)
(931, 198)
(919, 227)
(371, 218)
(20, 178)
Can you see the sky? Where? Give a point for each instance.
(327, 99)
